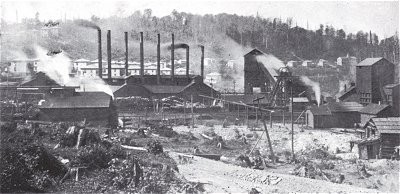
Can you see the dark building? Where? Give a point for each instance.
(259, 76)
(382, 136)
(392, 92)
(181, 87)
(372, 74)
(334, 115)
(96, 107)
(375, 111)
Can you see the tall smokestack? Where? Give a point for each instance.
(109, 54)
(141, 57)
(187, 62)
(172, 59)
(158, 59)
(99, 54)
(126, 53)
(202, 62)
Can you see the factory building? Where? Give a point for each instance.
(372, 74)
(96, 108)
(334, 115)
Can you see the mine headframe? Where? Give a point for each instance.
(279, 97)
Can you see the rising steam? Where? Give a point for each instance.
(315, 87)
(270, 62)
(57, 67)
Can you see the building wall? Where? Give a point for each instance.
(103, 116)
(363, 83)
(346, 119)
(254, 76)
(388, 142)
(382, 74)
(369, 151)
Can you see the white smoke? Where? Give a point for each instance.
(315, 87)
(58, 67)
(269, 60)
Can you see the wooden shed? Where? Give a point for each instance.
(388, 132)
(96, 107)
(334, 115)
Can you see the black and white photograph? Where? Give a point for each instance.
(199, 96)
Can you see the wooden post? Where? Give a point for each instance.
(283, 117)
(247, 116)
(184, 112)
(269, 141)
(270, 119)
(191, 102)
(291, 116)
(256, 117)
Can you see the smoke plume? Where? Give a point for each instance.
(315, 87)
(86, 23)
(57, 67)
(269, 60)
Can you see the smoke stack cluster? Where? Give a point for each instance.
(141, 57)
(158, 59)
(109, 54)
(99, 56)
(172, 59)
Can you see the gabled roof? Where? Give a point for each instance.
(369, 61)
(164, 89)
(345, 106)
(387, 125)
(79, 100)
(328, 109)
(273, 68)
(320, 110)
(40, 79)
(343, 93)
(374, 109)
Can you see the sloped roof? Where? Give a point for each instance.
(328, 109)
(345, 106)
(369, 61)
(79, 100)
(82, 60)
(300, 99)
(320, 110)
(40, 78)
(272, 69)
(164, 89)
(387, 125)
(342, 93)
(373, 109)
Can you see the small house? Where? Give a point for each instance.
(382, 137)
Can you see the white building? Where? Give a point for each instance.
(213, 78)
(23, 66)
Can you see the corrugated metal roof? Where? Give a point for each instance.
(387, 125)
(374, 108)
(344, 106)
(79, 100)
(369, 61)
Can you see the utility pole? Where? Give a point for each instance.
(234, 86)
(291, 116)
(191, 102)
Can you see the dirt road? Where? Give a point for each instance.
(221, 177)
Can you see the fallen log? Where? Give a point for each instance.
(206, 136)
(134, 148)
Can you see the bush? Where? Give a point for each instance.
(154, 147)
(97, 156)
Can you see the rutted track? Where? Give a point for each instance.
(221, 177)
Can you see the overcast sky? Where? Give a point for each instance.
(381, 17)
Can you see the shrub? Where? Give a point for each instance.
(154, 147)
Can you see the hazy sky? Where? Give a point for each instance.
(381, 17)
